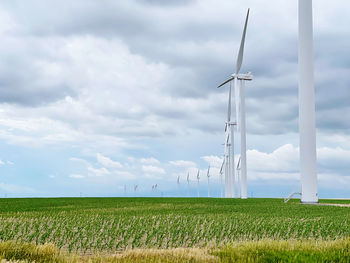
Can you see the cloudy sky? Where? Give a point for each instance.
(99, 96)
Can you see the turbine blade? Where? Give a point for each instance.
(222, 84)
(239, 163)
(241, 48)
(222, 166)
(227, 138)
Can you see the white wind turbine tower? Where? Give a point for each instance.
(307, 126)
(178, 184)
(135, 188)
(208, 175)
(188, 183)
(198, 177)
(221, 172)
(238, 169)
(229, 152)
(239, 83)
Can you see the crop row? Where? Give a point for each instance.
(88, 231)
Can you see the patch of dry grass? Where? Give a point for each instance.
(247, 251)
(26, 252)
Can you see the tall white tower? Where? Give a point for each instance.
(307, 126)
(243, 144)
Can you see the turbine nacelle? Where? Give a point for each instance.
(248, 76)
(231, 123)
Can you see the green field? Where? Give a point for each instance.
(90, 225)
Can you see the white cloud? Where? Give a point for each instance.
(98, 171)
(273, 176)
(182, 163)
(214, 161)
(7, 23)
(76, 176)
(283, 164)
(105, 161)
(150, 169)
(333, 180)
(150, 161)
(286, 159)
(125, 175)
(7, 162)
(152, 176)
(79, 160)
(326, 154)
(283, 159)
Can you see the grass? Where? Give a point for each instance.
(25, 252)
(286, 251)
(86, 226)
(248, 251)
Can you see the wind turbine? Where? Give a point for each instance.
(229, 174)
(188, 183)
(208, 175)
(239, 84)
(226, 166)
(198, 177)
(307, 126)
(178, 183)
(238, 168)
(221, 172)
(135, 188)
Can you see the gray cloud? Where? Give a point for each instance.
(138, 79)
(64, 49)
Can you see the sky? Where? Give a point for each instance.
(97, 97)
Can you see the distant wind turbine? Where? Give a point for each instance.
(208, 175)
(239, 84)
(178, 184)
(239, 176)
(135, 188)
(198, 177)
(188, 183)
(221, 183)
